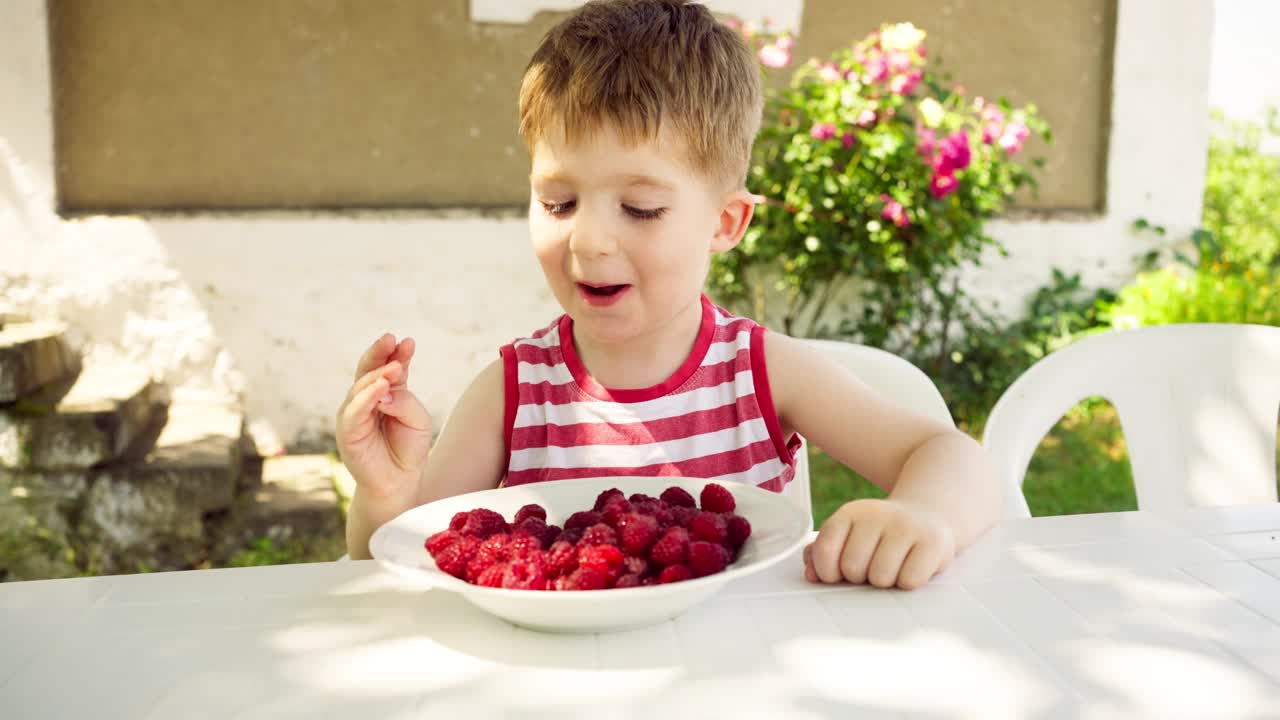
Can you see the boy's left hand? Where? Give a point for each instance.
(883, 542)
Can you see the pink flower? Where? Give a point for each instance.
(877, 69)
(905, 84)
(1013, 137)
(942, 185)
(925, 141)
(774, 56)
(894, 212)
(847, 140)
(866, 118)
(822, 131)
(786, 42)
(830, 73)
(899, 62)
(953, 153)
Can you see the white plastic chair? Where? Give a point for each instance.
(887, 374)
(1197, 404)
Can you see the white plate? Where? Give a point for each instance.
(779, 526)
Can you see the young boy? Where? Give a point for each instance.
(639, 116)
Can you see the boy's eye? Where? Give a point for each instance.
(641, 214)
(558, 209)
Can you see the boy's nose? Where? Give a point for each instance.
(589, 238)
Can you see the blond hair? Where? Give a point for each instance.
(641, 64)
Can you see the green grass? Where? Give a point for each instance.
(1081, 466)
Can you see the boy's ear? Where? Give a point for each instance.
(735, 216)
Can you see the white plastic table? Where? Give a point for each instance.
(1119, 615)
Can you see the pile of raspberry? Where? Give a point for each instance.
(621, 542)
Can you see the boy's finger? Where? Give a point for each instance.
(401, 404)
(828, 548)
(376, 355)
(403, 354)
(392, 372)
(887, 562)
(858, 551)
(809, 574)
(358, 418)
(922, 563)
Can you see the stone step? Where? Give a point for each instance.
(296, 497)
(107, 412)
(156, 511)
(33, 355)
(9, 316)
(294, 510)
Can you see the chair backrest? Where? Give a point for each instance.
(1198, 405)
(887, 374)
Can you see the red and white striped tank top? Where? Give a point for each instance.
(713, 418)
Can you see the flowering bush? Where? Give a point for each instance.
(871, 168)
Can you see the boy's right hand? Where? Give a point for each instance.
(383, 431)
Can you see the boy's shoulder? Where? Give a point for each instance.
(547, 336)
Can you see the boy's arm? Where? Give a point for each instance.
(468, 455)
(942, 491)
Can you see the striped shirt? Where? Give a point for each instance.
(713, 418)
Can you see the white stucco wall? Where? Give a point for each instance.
(276, 309)
(1246, 57)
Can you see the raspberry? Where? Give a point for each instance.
(739, 531)
(637, 533)
(477, 566)
(645, 507)
(454, 559)
(583, 519)
(615, 510)
(599, 534)
(674, 573)
(651, 580)
(671, 547)
(482, 523)
(562, 559)
(528, 511)
(536, 527)
(440, 541)
(459, 519)
(717, 498)
(495, 547)
(642, 498)
(681, 515)
(707, 558)
(665, 517)
(605, 558)
(678, 496)
(523, 546)
(571, 536)
(524, 575)
(709, 526)
(603, 498)
(633, 565)
(492, 575)
(628, 580)
(584, 578)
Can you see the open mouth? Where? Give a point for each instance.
(602, 290)
(601, 294)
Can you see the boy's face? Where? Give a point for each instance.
(625, 234)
